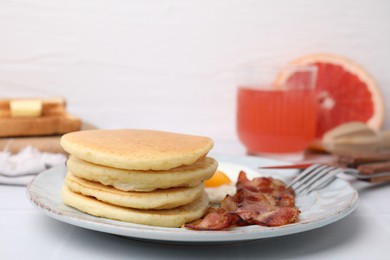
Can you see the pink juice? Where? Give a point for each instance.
(276, 121)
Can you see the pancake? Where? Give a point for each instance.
(136, 149)
(164, 218)
(158, 199)
(135, 180)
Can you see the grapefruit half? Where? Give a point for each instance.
(345, 90)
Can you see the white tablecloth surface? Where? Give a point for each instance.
(26, 233)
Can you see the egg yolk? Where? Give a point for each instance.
(219, 178)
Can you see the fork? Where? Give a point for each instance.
(318, 176)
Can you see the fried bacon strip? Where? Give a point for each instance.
(262, 201)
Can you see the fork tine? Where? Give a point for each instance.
(326, 180)
(318, 176)
(303, 174)
(314, 178)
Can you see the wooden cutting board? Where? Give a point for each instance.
(49, 144)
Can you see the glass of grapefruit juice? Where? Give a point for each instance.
(278, 118)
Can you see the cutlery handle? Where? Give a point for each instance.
(379, 179)
(373, 168)
(354, 160)
(385, 139)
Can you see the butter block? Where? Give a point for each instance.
(26, 108)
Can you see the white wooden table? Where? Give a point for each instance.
(26, 233)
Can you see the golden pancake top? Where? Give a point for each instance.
(136, 149)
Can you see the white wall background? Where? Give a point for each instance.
(170, 64)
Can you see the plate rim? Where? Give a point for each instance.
(180, 235)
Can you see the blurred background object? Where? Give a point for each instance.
(36, 117)
(36, 122)
(277, 119)
(169, 64)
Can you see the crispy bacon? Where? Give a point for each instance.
(215, 219)
(266, 185)
(262, 201)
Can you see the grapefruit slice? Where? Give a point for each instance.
(346, 92)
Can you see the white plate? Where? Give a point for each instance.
(318, 209)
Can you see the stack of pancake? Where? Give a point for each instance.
(138, 176)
